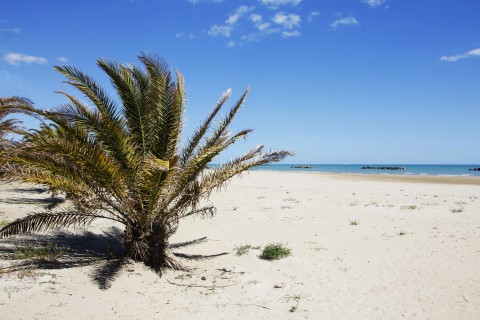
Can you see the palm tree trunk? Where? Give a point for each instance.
(150, 245)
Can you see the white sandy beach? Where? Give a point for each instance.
(408, 257)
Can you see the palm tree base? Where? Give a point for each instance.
(151, 247)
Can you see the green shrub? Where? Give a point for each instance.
(275, 251)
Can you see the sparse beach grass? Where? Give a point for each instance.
(46, 252)
(3, 222)
(244, 249)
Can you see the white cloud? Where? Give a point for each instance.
(218, 30)
(11, 30)
(468, 54)
(62, 59)
(256, 18)
(347, 21)
(374, 3)
(289, 34)
(264, 26)
(275, 4)
(226, 29)
(237, 14)
(282, 23)
(288, 21)
(18, 58)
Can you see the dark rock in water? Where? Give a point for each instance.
(301, 167)
(474, 169)
(383, 168)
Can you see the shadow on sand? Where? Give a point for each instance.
(68, 250)
(60, 250)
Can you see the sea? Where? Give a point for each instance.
(410, 169)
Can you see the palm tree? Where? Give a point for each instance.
(122, 161)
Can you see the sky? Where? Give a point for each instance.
(334, 81)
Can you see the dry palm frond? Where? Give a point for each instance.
(121, 160)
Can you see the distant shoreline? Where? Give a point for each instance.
(437, 179)
(379, 169)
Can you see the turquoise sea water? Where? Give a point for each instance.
(411, 169)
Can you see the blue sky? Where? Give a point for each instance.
(335, 81)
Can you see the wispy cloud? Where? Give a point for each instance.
(468, 54)
(226, 29)
(247, 24)
(275, 4)
(261, 25)
(289, 34)
(374, 3)
(287, 20)
(347, 21)
(62, 59)
(220, 30)
(256, 18)
(10, 30)
(237, 14)
(197, 1)
(312, 15)
(19, 58)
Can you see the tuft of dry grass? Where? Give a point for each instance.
(410, 207)
(3, 223)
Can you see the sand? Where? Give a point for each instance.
(363, 247)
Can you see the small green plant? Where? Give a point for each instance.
(46, 252)
(457, 210)
(410, 207)
(402, 233)
(275, 251)
(296, 298)
(241, 250)
(354, 223)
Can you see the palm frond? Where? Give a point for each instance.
(202, 130)
(89, 87)
(222, 127)
(43, 221)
